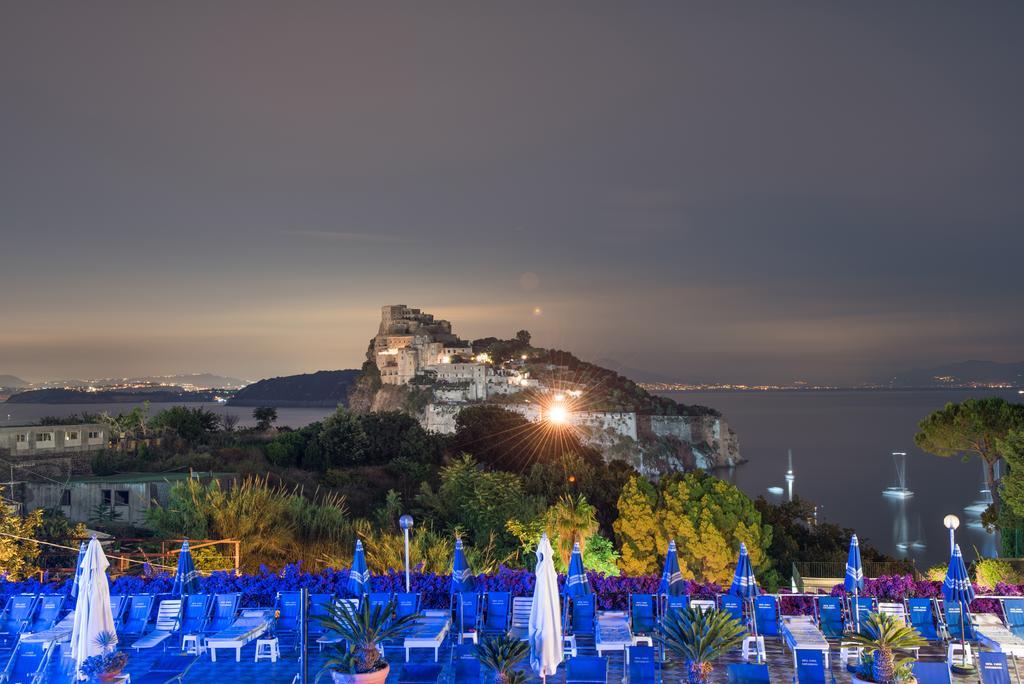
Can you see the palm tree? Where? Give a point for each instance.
(698, 638)
(501, 653)
(572, 520)
(363, 630)
(885, 634)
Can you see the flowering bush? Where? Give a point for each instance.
(612, 592)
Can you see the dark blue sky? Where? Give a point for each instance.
(709, 191)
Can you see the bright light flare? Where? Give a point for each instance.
(557, 414)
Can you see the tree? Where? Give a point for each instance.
(194, 425)
(394, 435)
(707, 517)
(478, 502)
(571, 520)
(19, 550)
(265, 416)
(342, 441)
(974, 426)
(228, 421)
(523, 337)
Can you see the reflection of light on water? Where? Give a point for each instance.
(777, 491)
(899, 490)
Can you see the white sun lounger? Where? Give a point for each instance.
(250, 625)
(613, 632)
(800, 632)
(59, 633)
(168, 621)
(428, 631)
(328, 638)
(994, 634)
(520, 628)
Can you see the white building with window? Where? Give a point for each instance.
(32, 439)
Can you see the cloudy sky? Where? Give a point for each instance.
(703, 191)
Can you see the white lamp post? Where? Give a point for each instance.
(405, 522)
(951, 522)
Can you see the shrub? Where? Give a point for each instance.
(989, 572)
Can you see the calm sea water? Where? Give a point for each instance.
(842, 444)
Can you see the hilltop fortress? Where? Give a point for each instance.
(418, 356)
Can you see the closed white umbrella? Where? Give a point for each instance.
(545, 615)
(92, 608)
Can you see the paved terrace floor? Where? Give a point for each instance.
(227, 671)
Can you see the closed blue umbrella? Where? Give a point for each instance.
(744, 585)
(186, 578)
(853, 582)
(359, 575)
(78, 571)
(957, 587)
(462, 579)
(576, 582)
(672, 583)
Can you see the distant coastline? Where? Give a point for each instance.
(674, 387)
(72, 396)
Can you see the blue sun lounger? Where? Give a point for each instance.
(379, 600)
(16, 617)
(586, 670)
(496, 612)
(136, 616)
(118, 603)
(195, 613)
(642, 617)
(641, 665)
(1013, 614)
(407, 604)
(747, 673)
(733, 605)
(810, 667)
(931, 672)
(49, 608)
(582, 616)
(766, 612)
(318, 605)
(28, 663)
(225, 608)
(427, 631)
(467, 612)
(861, 607)
(467, 666)
(168, 622)
(921, 612)
(166, 670)
(830, 617)
(956, 628)
(993, 668)
(676, 604)
(289, 609)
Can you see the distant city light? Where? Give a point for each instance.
(483, 358)
(446, 359)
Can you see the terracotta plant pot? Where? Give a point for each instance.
(377, 677)
(109, 676)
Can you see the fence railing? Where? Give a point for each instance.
(837, 569)
(130, 556)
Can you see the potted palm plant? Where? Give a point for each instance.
(698, 638)
(884, 636)
(360, 659)
(105, 666)
(501, 654)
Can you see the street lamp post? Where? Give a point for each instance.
(405, 522)
(951, 522)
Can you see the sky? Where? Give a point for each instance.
(706, 191)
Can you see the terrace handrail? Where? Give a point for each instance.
(872, 569)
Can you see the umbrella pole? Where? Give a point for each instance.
(856, 612)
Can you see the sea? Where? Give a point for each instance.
(842, 445)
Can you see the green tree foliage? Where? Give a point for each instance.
(585, 473)
(342, 441)
(296, 448)
(478, 502)
(974, 426)
(395, 435)
(18, 557)
(571, 520)
(707, 517)
(191, 424)
(1011, 489)
(265, 416)
(796, 537)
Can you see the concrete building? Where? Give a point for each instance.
(31, 439)
(129, 495)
